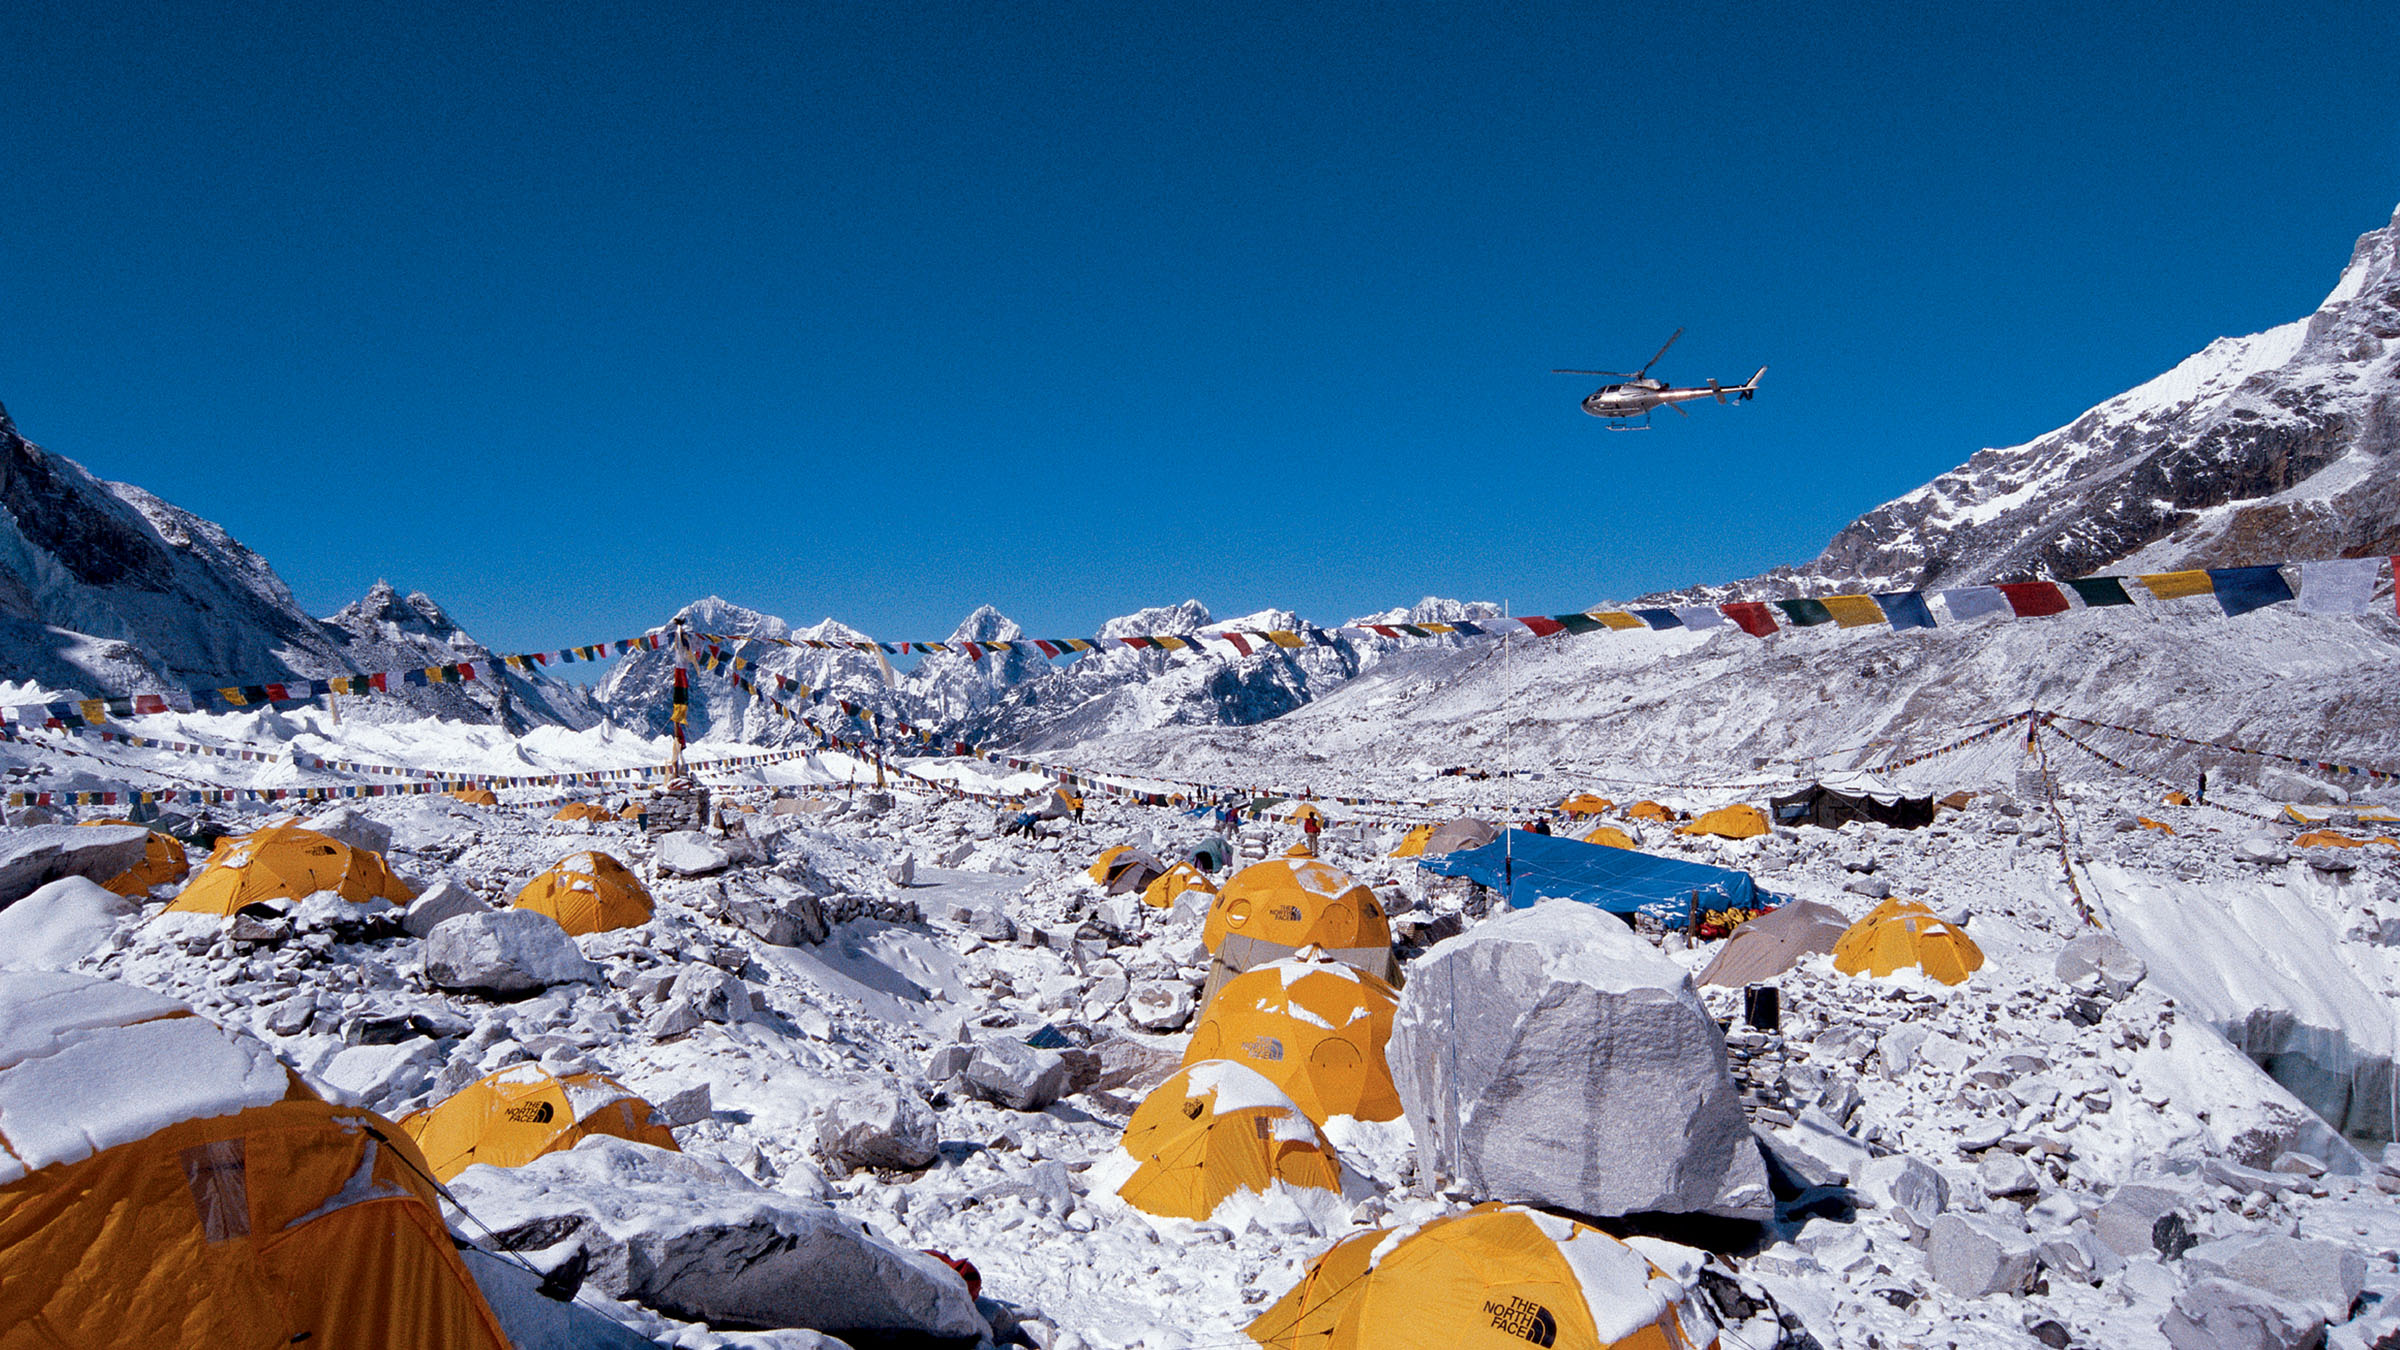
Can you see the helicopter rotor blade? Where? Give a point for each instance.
(1678, 407)
(1662, 351)
(1616, 373)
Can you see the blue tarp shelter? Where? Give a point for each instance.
(1525, 867)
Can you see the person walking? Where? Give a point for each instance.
(1311, 825)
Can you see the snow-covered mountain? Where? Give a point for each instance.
(2274, 446)
(106, 589)
(637, 692)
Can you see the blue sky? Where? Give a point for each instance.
(568, 316)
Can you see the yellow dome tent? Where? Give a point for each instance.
(1412, 844)
(633, 811)
(1099, 871)
(1497, 1277)
(1304, 811)
(1585, 804)
(1170, 885)
(163, 860)
(1609, 835)
(1902, 933)
(1214, 1129)
(285, 862)
(1295, 903)
(475, 796)
(1739, 821)
(213, 1202)
(512, 1117)
(1648, 811)
(1314, 1028)
(588, 893)
(582, 811)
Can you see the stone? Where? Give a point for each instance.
(686, 1106)
(535, 1320)
(2006, 1174)
(2132, 1213)
(504, 951)
(60, 924)
(1973, 1255)
(1159, 1005)
(33, 857)
(443, 900)
(1832, 1155)
(352, 826)
(1874, 888)
(779, 923)
(2261, 850)
(700, 994)
(879, 1125)
(699, 1241)
(2297, 1164)
(2078, 1255)
(1905, 1187)
(1005, 1071)
(690, 853)
(1898, 1049)
(2223, 1315)
(959, 854)
(903, 872)
(2313, 1273)
(992, 926)
(376, 1076)
(2099, 961)
(1550, 1056)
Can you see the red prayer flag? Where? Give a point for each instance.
(1750, 616)
(1240, 643)
(1542, 627)
(2034, 599)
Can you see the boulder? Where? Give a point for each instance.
(1550, 1056)
(351, 826)
(1909, 1189)
(778, 923)
(1975, 1254)
(31, 858)
(879, 1125)
(1003, 1070)
(904, 872)
(536, 1321)
(2005, 1174)
(700, 994)
(686, 1106)
(2326, 1276)
(504, 951)
(444, 900)
(2099, 961)
(2129, 1221)
(691, 853)
(2262, 850)
(699, 1241)
(1159, 1005)
(2223, 1315)
(60, 924)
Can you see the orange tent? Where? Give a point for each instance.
(1216, 1128)
(1609, 835)
(1901, 933)
(216, 1203)
(163, 860)
(1585, 804)
(1498, 1277)
(1739, 821)
(2148, 824)
(475, 796)
(588, 893)
(1316, 1028)
(582, 811)
(1295, 903)
(1648, 811)
(510, 1118)
(286, 862)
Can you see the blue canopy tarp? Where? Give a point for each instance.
(1527, 867)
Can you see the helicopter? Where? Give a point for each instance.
(1639, 395)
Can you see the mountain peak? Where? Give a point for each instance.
(986, 624)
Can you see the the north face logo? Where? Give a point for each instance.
(1287, 913)
(532, 1113)
(1263, 1047)
(1526, 1318)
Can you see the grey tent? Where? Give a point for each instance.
(1464, 832)
(1132, 870)
(1821, 805)
(1774, 942)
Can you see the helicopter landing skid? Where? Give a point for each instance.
(1627, 424)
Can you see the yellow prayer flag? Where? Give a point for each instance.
(2178, 585)
(1283, 638)
(1615, 618)
(1852, 611)
(1170, 642)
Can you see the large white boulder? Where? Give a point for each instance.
(699, 1241)
(33, 857)
(691, 853)
(1003, 1070)
(443, 901)
(1975, 1254)
(2326, 1276)
(504, 951)
(2215, 1314)
(1550, 1056)
(879, 1125)
(60, 924)
(353, 827)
